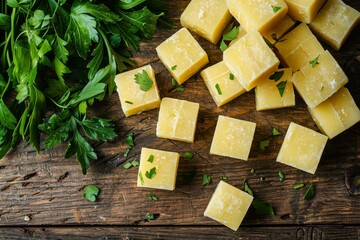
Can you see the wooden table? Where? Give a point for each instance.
(48, 188)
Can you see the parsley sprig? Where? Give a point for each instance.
(58, 58)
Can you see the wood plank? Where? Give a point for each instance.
(244, 233)
(48, 188)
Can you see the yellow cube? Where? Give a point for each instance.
(206, 18)
(250, 59)
(298, 47)
(134, 100)
(228, 205)
(336, 114)
(334, 22)
(319, 79)
(158, 169)
(221, 83)
(302, 148)
(233, 138)
(304, 10)
(182, 55)
(268, 91)
(259, 15)
(279, 30)
(177, 120)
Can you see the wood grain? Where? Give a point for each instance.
(48, 188)
(202, 232)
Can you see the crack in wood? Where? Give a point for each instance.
(30, 175)
(62, 177)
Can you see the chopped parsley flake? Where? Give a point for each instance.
(247, 188)
(314, 62)
(276, 132)
(231, 76)
(91, 192)
(174, 67)
(151, 174)
(150, 216)
(309, 193)
(206, 179)
(188, 155)
(276, 76)
(128, 165)
(143, 80)
(128, 102)
(141, 178)
(252, 171)
(229, 35)
(301, 185)
(275, 8)
(218, 89)
(264, 144)
(281, 87)
(178, 89)
(281, 176)
(223, 178)
(130, 142)
(151, 197)
(151, 158)
(173, 81)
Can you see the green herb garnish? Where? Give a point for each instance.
(178, 89)
(173, 81)
(252, 171)
(128, 165)
(188, 155)
(275, 8)
(128, 102)
(151, 158)
(150, 216)
(301, 185)
(151, 197)
(281, 87)
(276, 132)
(206, 179)
(174, 67)
(141, 178)
(262, 208)
(230, 34)
(309, 193)
(314, 62)
(247, 188)
(281, 176)
(91, 192)
(231, 76)
(143, 80)
(151, 174)
(218, 89)
(264, 144)
(223, 178)
(276, 76)
(130, 142)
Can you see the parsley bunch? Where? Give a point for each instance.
(57, 57)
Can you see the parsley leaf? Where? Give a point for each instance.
(262, 208)
(276, 132)
(276, 76)
(98, 129)
(151, 197)
(230, 34)
(301, 185)
(174, 67)
(150, 216)
(206, 179)
(130, 142)
(143, 80)
(91, 192)
(151, 174)
(314, 62)
(264, 144)
(151, 158)
(247, 188)
(223, 178)
(281, 176)
(281, 87)
(218, 89)
(173, 81)
(188, 155)
(128, 165)
(275, 8)
(231, 76)
(309, 193)
(141, 178)
(178, 89)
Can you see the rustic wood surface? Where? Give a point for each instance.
(48, 188)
